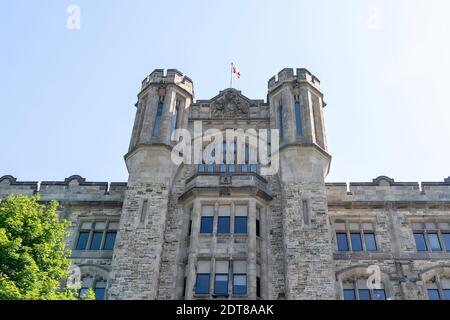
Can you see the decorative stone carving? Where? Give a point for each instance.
(230, 105)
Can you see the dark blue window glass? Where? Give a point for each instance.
(298, 118)
(420, 242)
(223, 225)
(156, 127)
(201, 168)
(206, 225)
(83, 292)
(223, 168)
(221, 284)
(446, 237)
(82, 241)
(240, 224)
(99, 293)
(342, 243)
(349, 294)
(364, 294)
(433, 239)
(240, 283)
(244, 168)
(258, 228)
(202, 283)
(210, 168)
(110, 240)
(369, 239)
(379, 294)
(356, 241)
(433, 294)
(96, 240)
(280, 116)
(232, 168)
(446, 294)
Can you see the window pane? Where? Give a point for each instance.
(420, 242)
(349, 294)
(221, 284)
(433, 294)
(99, 293)
(356, 241)
(83, 291)
(201, 168)
(232, 168)
(96, 240)
(244, 168)
(82, 241)
(379, 294)
(258, 231)
(240, 225)
(223, 225)
(446, 237)
(446, 294)
(206, 225)
(240, 284)
(253, 168)
(110, 240)
(157, 124)
(370, 242)
(342, 241)
(223, 168)
(298, 118)
(210, 168)
(364, 294)
(202, 283)
(434, 242)
(258, 287)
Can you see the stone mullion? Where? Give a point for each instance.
(264, 236)
(251, 259)
(192, 253)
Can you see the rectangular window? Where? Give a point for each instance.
(223, 168)
(379, 294)
(280, 116)
(157, 125)
(342, 242)
(356, 241)
(258, 287)
(83, 292)
(99, 293)
(223, 225)
(207, 219)
(364, 294)
(253, 168)
(349, 294)
(110, 240)
(434, 242)
(446, 294)
(369, 239)
(221, 278)
(446, 237)
(201, 168)
(240, 277)
(258, 226)
(244, 168)
(82, 241)
(240, 225)
(203, 277)
(174, 121)
(210, 168)
(420, 242)
(96, 240)
(433, 294)
(298, 118)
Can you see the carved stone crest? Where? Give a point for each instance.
(230, 105)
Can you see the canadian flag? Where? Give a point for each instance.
(235, 70)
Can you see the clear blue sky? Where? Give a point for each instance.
(66, 97)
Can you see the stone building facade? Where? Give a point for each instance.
(228, 231)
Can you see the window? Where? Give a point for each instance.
(110, 240)
(82, 241)
(349, 294)
(239, 277)
(364, 294)
(379, 294)
(99, 293)
(240, 220)
(99, 235)
(223, 168)
(83, 292)
(98, 286)
(433, 294)
(244, 168)
(203, 277)
(258, 287)
(342, 243)
(420, 242)
(159, 111)
(210, 168)
(96, 240)
(356, 242)
(280, 116)
(253, 168)
(298, 116)
(446, 237)
(223, 223)
(258, 224)
(201, 167)
(369, 239)
(438, 287)
(175, 119)
(207, 219)
(221, 278)
(434, 242)
(446, 294)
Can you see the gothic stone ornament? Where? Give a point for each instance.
(230, 105)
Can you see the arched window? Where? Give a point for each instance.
(159, 111)
(353, 285)
(437, 283)
(298, 116)
(175, 119)
(95, 278)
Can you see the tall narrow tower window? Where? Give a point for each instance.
(159, 111)
(175, 120)
(298, 116)
(280, 115)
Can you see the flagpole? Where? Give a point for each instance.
(231, 76)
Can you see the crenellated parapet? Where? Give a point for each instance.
(172, 76)
(290, 75)
(383, 189)
(73, 189)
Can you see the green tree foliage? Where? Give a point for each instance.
(33, 259)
